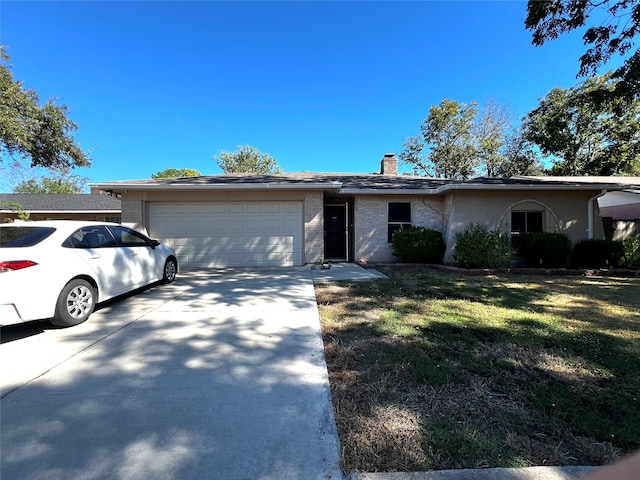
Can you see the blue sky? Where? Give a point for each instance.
(321, 86)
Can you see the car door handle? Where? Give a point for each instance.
(93, 257)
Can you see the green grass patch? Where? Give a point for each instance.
(493, 370)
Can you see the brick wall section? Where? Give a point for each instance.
(133, 213)
(313, 227)
(371, 221)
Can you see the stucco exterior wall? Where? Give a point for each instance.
(371, 220)
(565, 212)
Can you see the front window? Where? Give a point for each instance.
(526, 222)
(399, 217)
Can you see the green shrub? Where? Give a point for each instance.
(631, 252)
(597, 254)
(418, 244)
(479, 247)
(550, 250)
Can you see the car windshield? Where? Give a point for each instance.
(12, 237)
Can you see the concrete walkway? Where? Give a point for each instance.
(333, 272)
(218, 376)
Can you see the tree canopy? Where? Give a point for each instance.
(42, 134)
(176, 172)
(446, 135)
(614, 34)
(460, 140)
(584, 136)
(247, 159)
(58, 181)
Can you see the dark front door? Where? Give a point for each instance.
(335, 232)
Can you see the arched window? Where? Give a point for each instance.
(530, 216)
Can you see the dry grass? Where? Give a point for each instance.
(433, 371)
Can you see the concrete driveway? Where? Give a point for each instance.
(220, 375)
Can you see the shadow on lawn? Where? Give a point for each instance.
(556, 384)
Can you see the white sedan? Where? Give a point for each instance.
(60, 269)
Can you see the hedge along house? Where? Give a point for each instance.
(308, 218)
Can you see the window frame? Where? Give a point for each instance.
(400, 219)
(527, 222)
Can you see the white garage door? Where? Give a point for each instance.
(212, 234)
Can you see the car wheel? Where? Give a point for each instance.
(75, 303)
(170, 270)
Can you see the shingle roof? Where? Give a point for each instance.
(301, 179)
(81, 202)
(353, 183)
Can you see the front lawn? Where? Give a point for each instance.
(431, 370)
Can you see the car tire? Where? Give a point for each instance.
(170, 270)
(75, 303)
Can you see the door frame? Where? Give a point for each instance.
(348, 234)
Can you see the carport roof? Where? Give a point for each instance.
(362, 183)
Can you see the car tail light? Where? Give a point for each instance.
(11, 265)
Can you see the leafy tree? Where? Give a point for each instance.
(22, 214)
(519, 157)
(459, 141)
(583, 136)
(60, 181)
(247, 159)
(447, 134)
(491, 130)
(42, 134)
(176, 172)
(615, 34)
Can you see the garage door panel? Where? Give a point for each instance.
(292, 208)
(219, 234)
(255, 208)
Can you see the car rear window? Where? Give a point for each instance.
(12, 237)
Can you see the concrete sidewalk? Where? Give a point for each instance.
(528, 473)
(334, 272)
(218, 376)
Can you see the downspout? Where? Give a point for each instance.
(590, 213)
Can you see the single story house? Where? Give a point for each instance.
(309, 218)
(52, 206)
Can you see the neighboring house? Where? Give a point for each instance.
(52, 206)
(620, 212)
(307, 218)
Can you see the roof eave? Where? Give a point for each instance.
(218, 186)
(388, 191)
(506, 186)
(62, 210)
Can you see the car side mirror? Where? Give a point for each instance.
(154, 243)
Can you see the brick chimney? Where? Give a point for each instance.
(389, 164)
